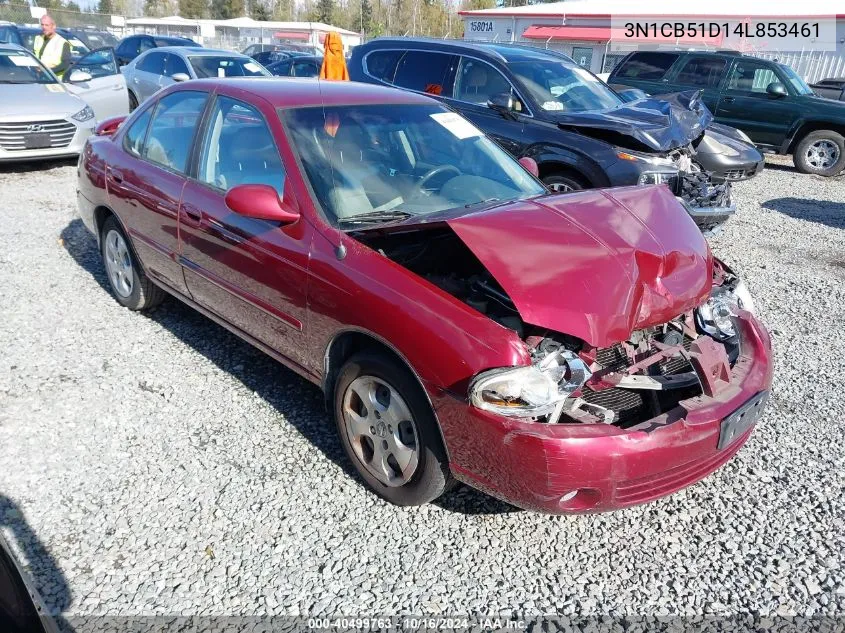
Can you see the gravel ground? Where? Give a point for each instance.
(158, 465)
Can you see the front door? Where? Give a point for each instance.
(146, 180)
(476, 83)
(745, 104)
(106, 91)
(250, 272)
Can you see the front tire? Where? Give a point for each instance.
(821, 152)
(133, 101)
(129, 285)
(561, 182)
(389, 431)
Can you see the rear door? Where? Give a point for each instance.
(700, 72)
(745, 104)
(646, 70)
(251, 272)
(173, 65)
(106, 91)
(146, 179)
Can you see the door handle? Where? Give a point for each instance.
(218, 229)
(116, 175)
(194, 214)
(729, 99)
(118, 87)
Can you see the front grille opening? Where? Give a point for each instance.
(631, 407)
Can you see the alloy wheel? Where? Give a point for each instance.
(560, 187)
(381, 430)
(823, 154)
(119, 264)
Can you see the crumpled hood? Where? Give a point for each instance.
(662, 124)
(597, 264)
(34, 102)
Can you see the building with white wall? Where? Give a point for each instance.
(238, 33)
(586, 30)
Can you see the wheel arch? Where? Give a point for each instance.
(552, 159)
(807, 127)
(345, 344)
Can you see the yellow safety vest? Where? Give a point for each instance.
(52, 55)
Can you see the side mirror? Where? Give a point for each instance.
(776, 89)
(261, 202)
(530, 165)
(180, 77)
(502, 102)
(109, 126)
(79, 76)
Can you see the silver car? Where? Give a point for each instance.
(158, 68)
(41, 117)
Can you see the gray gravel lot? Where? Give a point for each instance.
(158, 465)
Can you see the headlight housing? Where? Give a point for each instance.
(530, 392)
(744, 136)
(85, 114)
(716, 316)
(657, 178)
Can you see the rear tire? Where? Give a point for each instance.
(388, 430)
(562, 182)
(129, 285)
(821, 152)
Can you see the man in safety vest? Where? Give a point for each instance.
(51, 48)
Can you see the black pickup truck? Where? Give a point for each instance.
(830, 88)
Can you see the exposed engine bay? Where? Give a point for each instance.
(626, 385)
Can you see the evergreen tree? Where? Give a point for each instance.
(105, 6)
(324, 11)
(193, 9)
(260, 11)
(227, 9)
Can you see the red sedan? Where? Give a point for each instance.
(566, 353)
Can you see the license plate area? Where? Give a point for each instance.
(738, 422)
(37, 140)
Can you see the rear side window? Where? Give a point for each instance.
(152, 63)
(647, 66)
(163, 41)
(702, 72)
(135, 135)
(382, 64)
(172, 129)
(425, 71)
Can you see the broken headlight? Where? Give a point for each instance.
(716, 316)
(657, 178)
(530, 392)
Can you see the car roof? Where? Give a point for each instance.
(294, 92)
(505, 52)
(199, 51)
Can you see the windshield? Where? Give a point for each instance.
(560, 86)
(18, 67)
(798, 84)
(390, 161)
(77, 48)
(99, 40)
(207, 66)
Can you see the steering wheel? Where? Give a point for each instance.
(431, 173)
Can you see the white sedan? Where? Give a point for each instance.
(41, 117)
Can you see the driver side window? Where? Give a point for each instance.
(477, 82)
(239, 149)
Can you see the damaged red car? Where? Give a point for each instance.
(565, 353)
